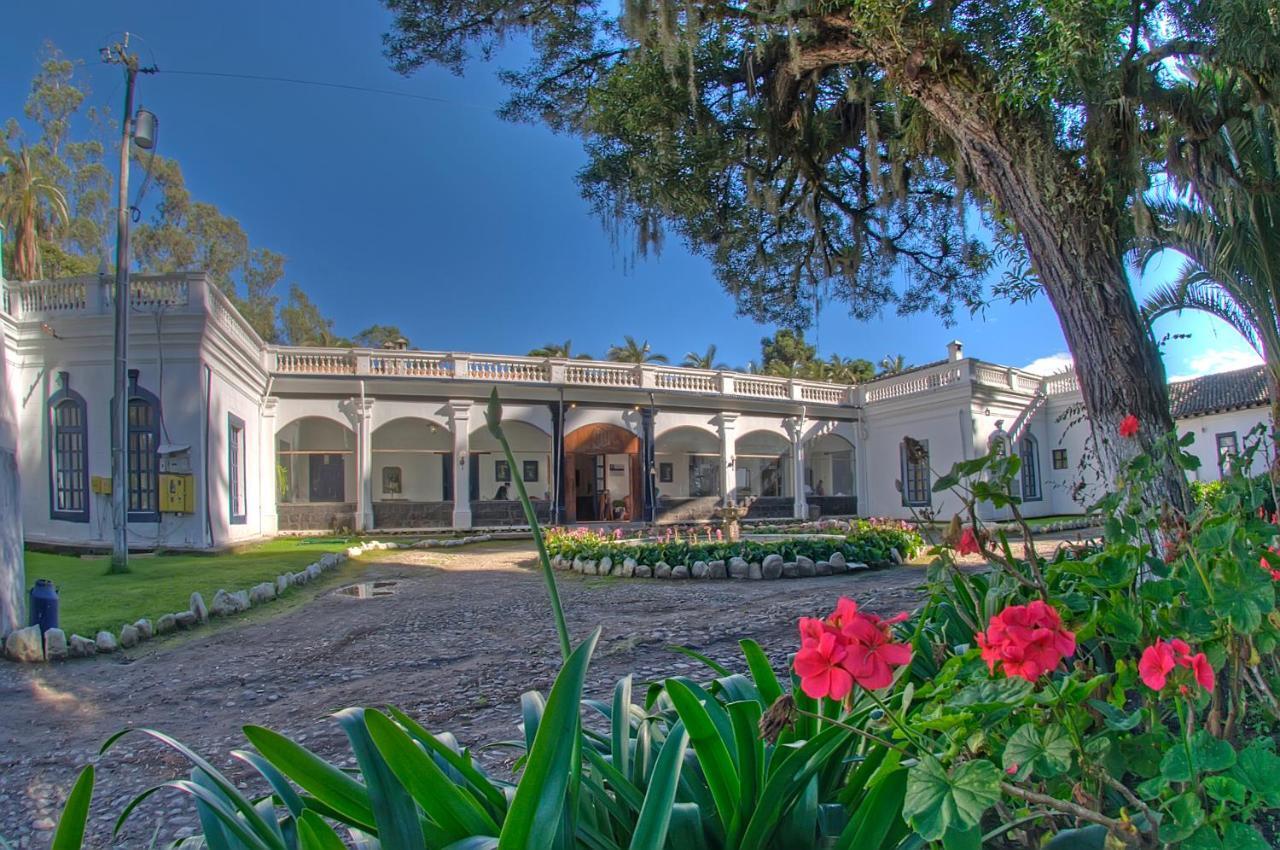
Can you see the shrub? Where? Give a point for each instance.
(864, 541)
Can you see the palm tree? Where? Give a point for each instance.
(1229, 233)
(562, 350)
(694, 360)
(29, 203)
(634, 352)
(892, 364)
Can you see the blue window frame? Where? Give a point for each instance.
(143, 453)
(1030, 451)
(236, 469)
(68, 454)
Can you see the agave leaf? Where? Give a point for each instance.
(394, 810)
(269, 832)
(346, 799)
(315, 834)
(439, 745)
(537, 809)
(279, 784)
(75, 814)
(655, 814)
(452, 807)
(712, 748)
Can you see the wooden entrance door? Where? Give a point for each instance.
(327, 478)
(586, 452)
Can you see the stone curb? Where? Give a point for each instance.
(26, 645)
(772, 568)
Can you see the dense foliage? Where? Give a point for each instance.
(863, 542)
(1110, 695)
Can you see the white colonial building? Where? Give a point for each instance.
(231, 439)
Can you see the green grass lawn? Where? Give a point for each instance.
(90, 599)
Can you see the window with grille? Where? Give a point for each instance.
(1030, 453)
(1059, 458)
(68, 455)
(1228, 448)
(916, 484)
(235, 469)
(142, 446)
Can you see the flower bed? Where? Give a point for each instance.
(858, 544)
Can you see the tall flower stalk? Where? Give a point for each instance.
(493, 418)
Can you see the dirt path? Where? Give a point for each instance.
(465, 634)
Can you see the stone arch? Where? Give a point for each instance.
(532, 448)
(688, 463)
(762, 466)
(830, 473)
(316, 472)
(410, 462)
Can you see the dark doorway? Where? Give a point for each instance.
(327, 479)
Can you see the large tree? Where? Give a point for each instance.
(817, 149)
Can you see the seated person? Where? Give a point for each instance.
(502, 493)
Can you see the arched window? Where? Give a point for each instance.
(68, 454)
(1030, 453)
(144, 453)
(916, 486)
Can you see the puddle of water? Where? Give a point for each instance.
(368, 589)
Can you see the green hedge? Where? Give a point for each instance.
(866, 543)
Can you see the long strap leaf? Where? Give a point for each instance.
(655, 814)
(75, 814)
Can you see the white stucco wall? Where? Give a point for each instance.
(1207, 428)
(12, 579)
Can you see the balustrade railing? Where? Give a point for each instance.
(92, 295)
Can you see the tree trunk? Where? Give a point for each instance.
(1071, 233)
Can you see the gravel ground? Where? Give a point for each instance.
(466, 632)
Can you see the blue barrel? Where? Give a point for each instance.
(43, 605)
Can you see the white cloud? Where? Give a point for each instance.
(1214, 360)
(1050, 365)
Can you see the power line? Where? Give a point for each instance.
(320, 83)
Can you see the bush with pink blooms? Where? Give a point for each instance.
(1117, 693)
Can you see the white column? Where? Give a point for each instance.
(460, 422)
(364, 464)
(268, 479)
(728, 423)
(795, 428)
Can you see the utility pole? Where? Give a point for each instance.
(118, 54)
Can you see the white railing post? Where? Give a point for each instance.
(645, 376)
(556, 372)
(363, 356)
(726, 383)
(461, 369)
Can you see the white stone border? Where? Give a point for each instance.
(772, 567)
(26, 645)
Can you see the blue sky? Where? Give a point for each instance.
(465, 230)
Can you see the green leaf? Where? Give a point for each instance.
(1209, 754)
(493, 413)
(620, 726)
(937, 801)
(761, 672)
(877, 815)
(655, 815)
(1115, 719)
(1204, 838)
(712, 749)
(1224, 788)
(315, 834)
(454, 809)
(75, 814)
(992, 693)
(1046, 753)
(535, 812)
(394, 811)
(346, 797)
(1258, 769)
(1186, 815)
(1092, 837)
(1242, 836)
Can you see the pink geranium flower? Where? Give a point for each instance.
(1129, 426)
(1026, 641)
(860, 644)
(819, 667)
(1160, 659)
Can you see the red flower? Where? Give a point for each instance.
(968, 543)
(818, 666)
(1162, 657)
(1267, 565)
(849, 646)
(1129, 426)
(1156, 664)
(870, 657)
(1027, 641)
